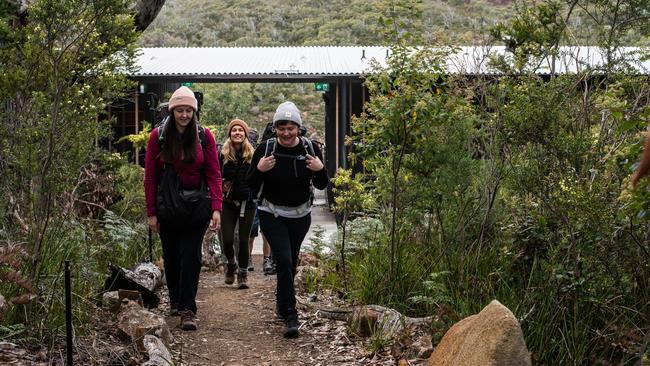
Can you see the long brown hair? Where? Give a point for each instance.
(185, 146)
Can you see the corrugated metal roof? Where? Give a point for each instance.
(321, 63)
(262, 62)
(569, 59)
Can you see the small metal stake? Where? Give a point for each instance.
(68, 314)
(150, 247)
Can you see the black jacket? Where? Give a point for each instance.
(289, 182)
(235, 172)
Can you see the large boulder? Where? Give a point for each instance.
(492, 337)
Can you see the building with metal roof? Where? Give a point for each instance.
(254, 64)
(160, 70)
(306, 64)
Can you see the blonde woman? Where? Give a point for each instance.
(238, 204)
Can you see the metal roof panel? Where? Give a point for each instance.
(278, 63)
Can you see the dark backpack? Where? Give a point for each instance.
(272, 142)
(270, 149)
(175, 206)
(161, 133)
(269, 132)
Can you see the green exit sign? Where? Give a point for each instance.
(187, 84)
(321, 86)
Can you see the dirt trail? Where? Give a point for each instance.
(238, 327)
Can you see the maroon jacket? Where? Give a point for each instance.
(189, 173)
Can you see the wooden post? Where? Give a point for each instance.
(137, 123)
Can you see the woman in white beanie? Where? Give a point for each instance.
(181, 151)
(285, 174)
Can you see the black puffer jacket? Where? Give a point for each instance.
(235, 172)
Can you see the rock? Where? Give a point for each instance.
(111, 301)
(308, 259)
(158, 354)
(423, 347)
(137, 322)
(306, 275)
(144, 278)
(12, 354)
(3, 307)
(132, 295)
(211, 256)
(370, 319)
(148, 274)
(492, 337)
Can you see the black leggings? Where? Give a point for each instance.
(182, 255)
(229, 219)
(285, 236)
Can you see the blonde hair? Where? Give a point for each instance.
(228, 151)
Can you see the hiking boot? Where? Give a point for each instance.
(291, 327)
(187, 320)
(268, 266)
(242, 279)
(250, 265)
(173, 308)
(231, 268)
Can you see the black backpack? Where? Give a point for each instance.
(272, 142)
(181, 209)
(161, 133)
(270, 149)
(269, 132)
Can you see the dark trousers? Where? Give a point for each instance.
(229, 219)
(182, 255)
(285, 237)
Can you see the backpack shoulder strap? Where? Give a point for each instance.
(161, 135)
(201, 135)
(161, 127)
(270, 147)
(309, 146)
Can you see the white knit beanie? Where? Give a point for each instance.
(287, 111)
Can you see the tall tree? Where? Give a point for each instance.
(60, 70)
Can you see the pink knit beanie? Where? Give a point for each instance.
(183, 96)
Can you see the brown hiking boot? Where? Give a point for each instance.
(231, 268)
(242, 279)
(187, 320)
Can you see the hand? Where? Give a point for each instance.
(313, 163)
(215, 221)
(265, 164)
(227, 186)
(152, 221)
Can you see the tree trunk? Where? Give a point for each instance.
(145, 11)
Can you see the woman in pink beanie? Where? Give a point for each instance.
(186, 152)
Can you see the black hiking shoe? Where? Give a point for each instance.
(291, 327)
